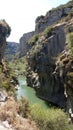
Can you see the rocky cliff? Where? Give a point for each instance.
(4, 33)
(24, 46)
(41, 64)
(52, 16)
(50, 61)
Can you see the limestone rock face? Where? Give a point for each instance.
(52, 17)
(41, 65)
(24, 46)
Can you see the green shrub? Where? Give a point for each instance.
(51, 119)
(33, 39)
(4, 84)
(70, 77)
(70, 41)
(48, 31)
(71, 13)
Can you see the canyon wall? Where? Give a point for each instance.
(41, 64)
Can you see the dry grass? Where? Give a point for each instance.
(9, 111)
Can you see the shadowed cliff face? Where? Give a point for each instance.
(41, 65)
(4, 33)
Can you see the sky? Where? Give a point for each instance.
(21, 14)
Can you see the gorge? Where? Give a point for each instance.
(49, 68)
(45, 57)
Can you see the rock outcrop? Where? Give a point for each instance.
(4, 33)
(24, 46)
(52, 16)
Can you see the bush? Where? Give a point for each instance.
(33, 39)
(48, 31)
(51, 119)
(71, 13)
(70, 41)
(70, 78)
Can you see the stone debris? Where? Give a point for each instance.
(3, 97)
(5, 126)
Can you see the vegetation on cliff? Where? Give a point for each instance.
(70, 41)
(19, 65)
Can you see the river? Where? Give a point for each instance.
(29, 93)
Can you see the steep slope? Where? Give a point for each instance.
(41, 64)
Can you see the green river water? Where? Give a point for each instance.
(29, 93)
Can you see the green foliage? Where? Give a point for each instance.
(33, 39)
(35, 50)
(19, 65)
(5, 85)
(48, 31)
(51, 119)
(70, 77)
(70, 41)
(70, 28)
(71, 13)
